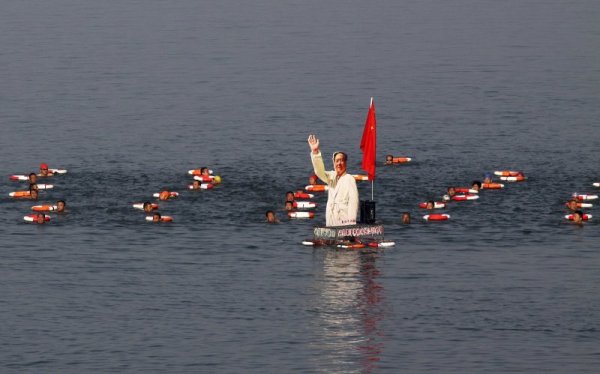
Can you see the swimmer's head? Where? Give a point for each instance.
(164, 195)
(389, 159)
(451, 191)
(578, 216)
(60, 205)
(44, 169)
(40, 218)
(204, 171)
(33, 193)
(270, 216)
(148, 206)
(430, 205)
(156, 217)
(289, 205)
(406, 218)
(572, 204)
(476, 185)
(32, 178)
(312, 179)
(289, 196)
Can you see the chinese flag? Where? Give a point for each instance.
(368, 143)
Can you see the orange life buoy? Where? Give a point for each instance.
(302, 195)
(301, 214)
(492, 186)
(316, 187)
(165, 195)
(351, 245)
(515, 178)
(360, 177)
(20, 194)
(584, 217)
(203, 186)
(381, 244)
(466, 190)
(508, 173)
(198, 172)
(465, 197)
(304, 204)
(44, 208)
(33, 218)
(436, 217)
(584, 197)
(436, 205)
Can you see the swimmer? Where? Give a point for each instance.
(487, 178)
(196, 184)
(271, 217)
(289, 205)
(389, 159)
(578, 217)
(451, 191)
(406, 218)
(44, 170)
(476, 185)
(312, 179)
(156, 217)
(148, 207)
(204, 171)
(289, 196)
(573, 205)
(40, 218)
(60, 206)
(32, 178)
(33, 192)
(430, 205)
(164, 195)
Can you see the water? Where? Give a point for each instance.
(129, 95)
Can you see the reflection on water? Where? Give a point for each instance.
(350, 311)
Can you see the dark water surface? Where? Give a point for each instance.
(129, 95)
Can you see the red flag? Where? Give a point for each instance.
(368, 143)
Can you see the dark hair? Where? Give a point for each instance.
(389, 156)
(289, 192)
(403, 213)
(267, 213)
(343, 154)
(578, 212)
(478, 183)
(43, 215)
(30, 174)
(146, 203)
(61, 201)
(430, 202)
(289, 201)
(203, 168)
(33, 186)
(157, 214)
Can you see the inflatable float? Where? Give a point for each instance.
(466, 190)
(162, 219)
(508, 173)
(33, 218)
(198, 172)
(19, 194)
(399, 160)
(316, 187)
(203, 186)
(43, 186)
(360, 177)
(302, 195)
(585, 217)
(381, 244)
(141, 206)
(301, 214)
(517, 178)
(172, 195)
(583, 205)
(436, 205)
(44, 208)
(464, 197)
(596, 184)
(436, 217)
(584, 197)
(351, 245)
(492, 186)
(304, 205)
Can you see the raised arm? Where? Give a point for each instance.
(317, 159)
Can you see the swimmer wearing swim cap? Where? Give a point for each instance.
(164, 195)
(44, 170)
(312, 179)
